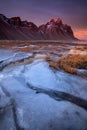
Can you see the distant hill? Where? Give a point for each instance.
(16, 29)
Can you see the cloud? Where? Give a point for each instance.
(73, 12)
(81, 34)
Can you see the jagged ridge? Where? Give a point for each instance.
(14, 28)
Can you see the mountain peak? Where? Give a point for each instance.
(59, 21)
(2, 17)
(15, 21)
(52, 20)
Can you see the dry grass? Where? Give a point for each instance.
(72, 62)
(52, 63)
(69, 63)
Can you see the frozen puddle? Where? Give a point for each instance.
(37, 109)
(5, 54)
(12, 58)
(39, 75)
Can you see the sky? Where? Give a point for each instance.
(73, 12)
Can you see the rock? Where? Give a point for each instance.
(32, 26)
(3, 18)
(59, 21)
(68, 30)
(52, 21)
(15, 21)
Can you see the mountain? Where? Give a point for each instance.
(16, 29)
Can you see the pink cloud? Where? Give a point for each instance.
(81, 34)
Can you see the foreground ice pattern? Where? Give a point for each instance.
(29, 110)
